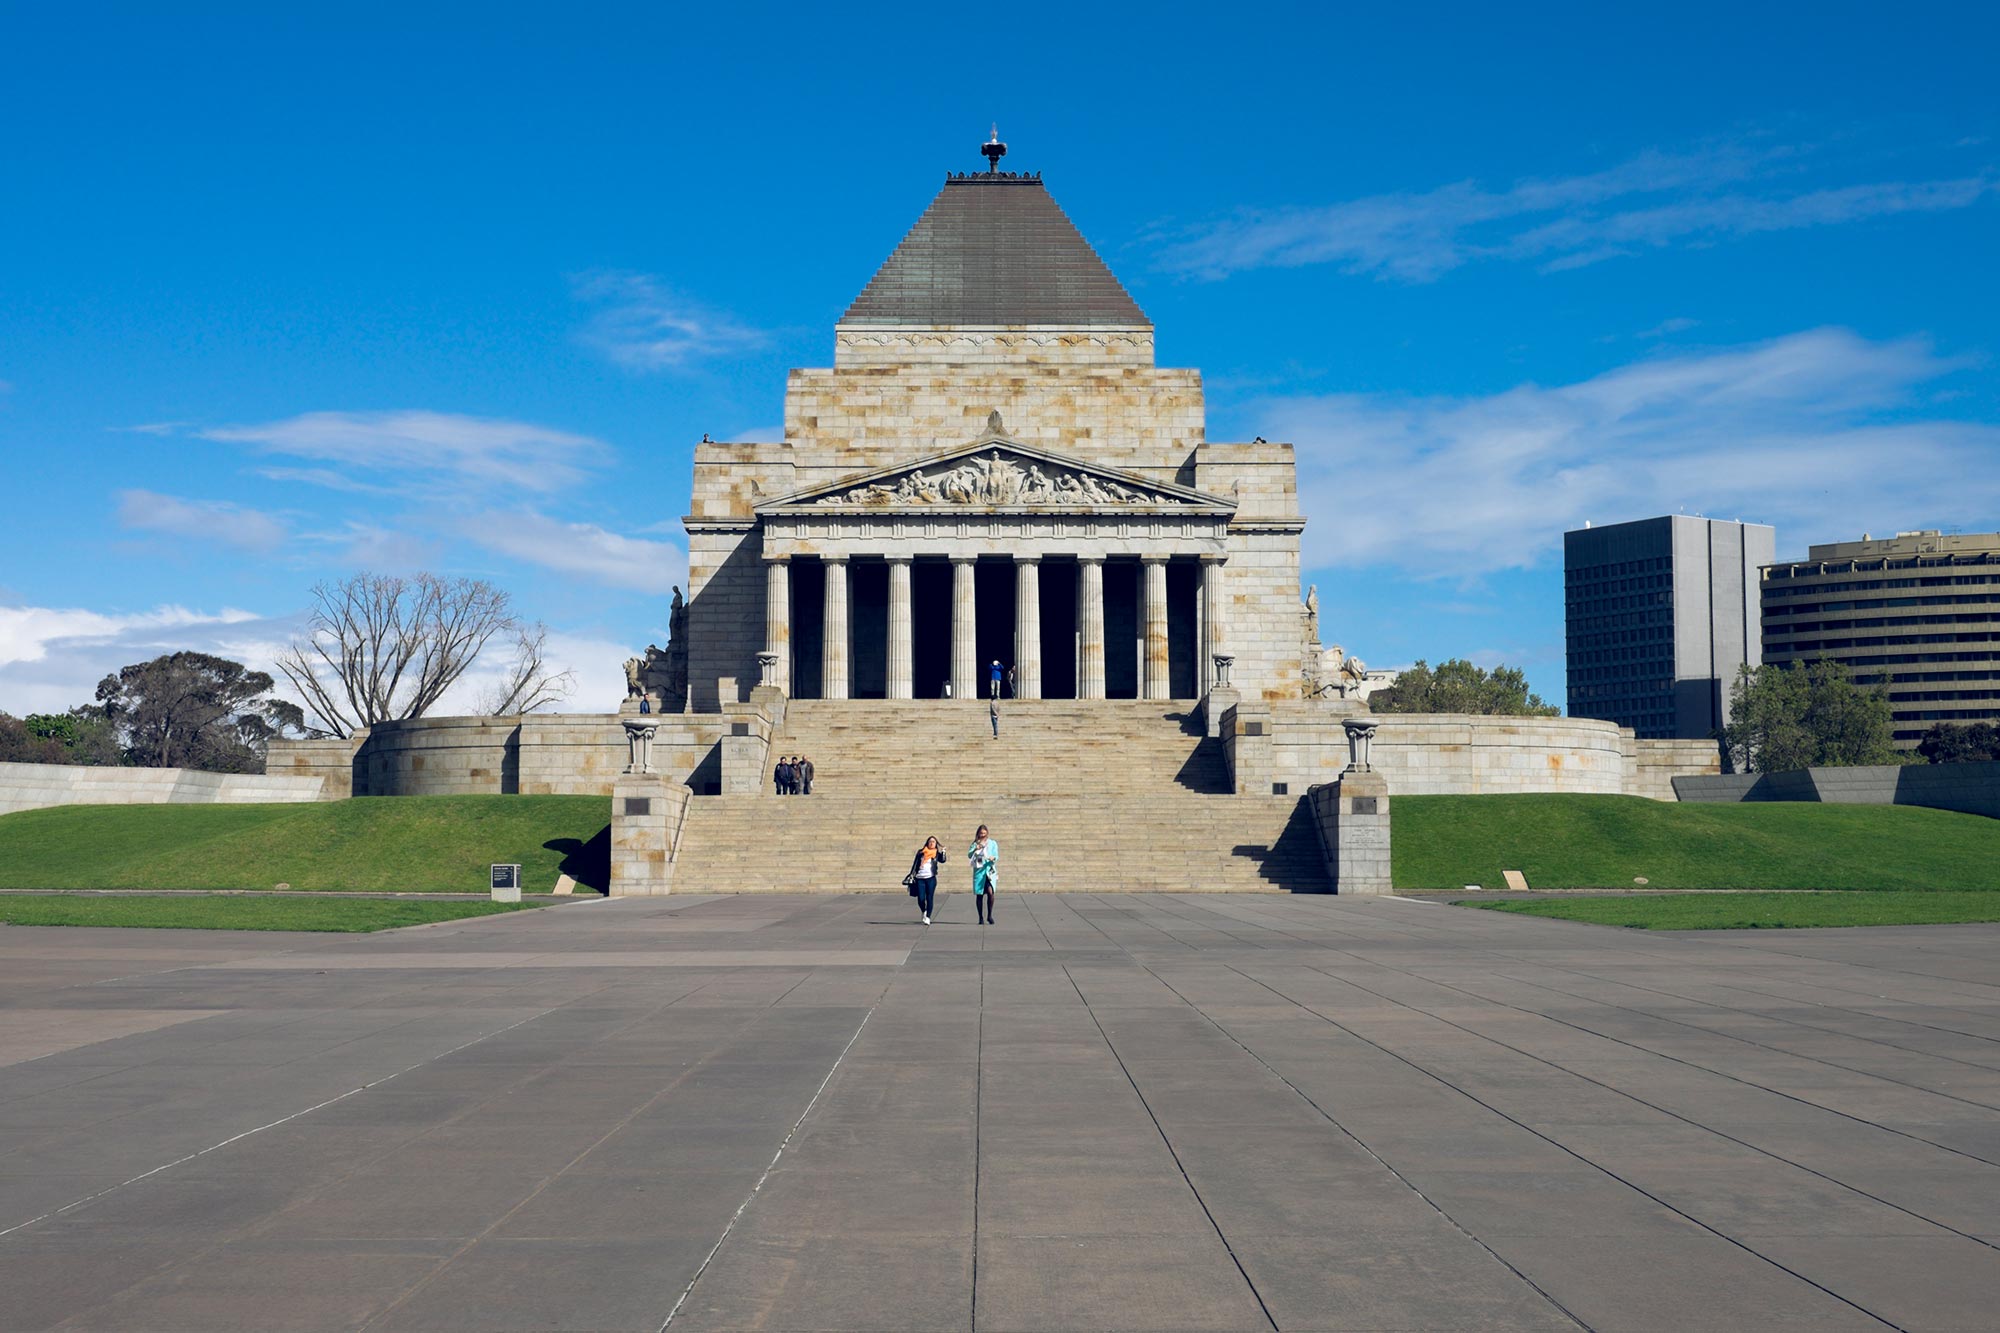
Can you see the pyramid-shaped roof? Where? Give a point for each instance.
(994, 249)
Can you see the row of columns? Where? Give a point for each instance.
(1154, 683)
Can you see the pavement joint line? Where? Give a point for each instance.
(1690, 1064)
(281, 1120)
(1421, 902)
(1565, 1148)
(1362, 1144)
(1168, 1143)
(680, 1077)
(1735, 1078)
(1633, 1096)
(1762, 1046)
(749, 1198)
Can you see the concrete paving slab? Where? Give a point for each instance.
(1193, 1112)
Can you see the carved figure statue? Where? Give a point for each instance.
(1353, 678)
(991, 479)
(995, 426)
(1037, 489)
(634, 687)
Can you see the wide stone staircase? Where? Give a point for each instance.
(1098, 796)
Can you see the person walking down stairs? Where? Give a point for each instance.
(805, 775)
(985, 858)
(993, 716)
(781, 776)
(923, 876)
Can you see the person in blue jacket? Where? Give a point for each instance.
(985, 857)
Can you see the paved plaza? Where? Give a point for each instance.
(1141, 1111)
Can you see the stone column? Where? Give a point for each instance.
(778, 615)
(1212, 639)
(1090, 612)
(964, 629)
(1155, 567)
(899, 628)
(833, 643)
(1027, 627)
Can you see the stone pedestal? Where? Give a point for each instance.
(646, 815)
(1353, 817)
(1221, 698)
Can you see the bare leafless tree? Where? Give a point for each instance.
(382, 647)
(528, 684)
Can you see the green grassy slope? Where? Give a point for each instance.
(1761, 911)
(403, 843)
(204, 912)
(1605, 842)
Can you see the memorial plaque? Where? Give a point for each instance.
(1365, 805)
(638, 805)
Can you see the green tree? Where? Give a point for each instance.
(1960, 743)
(86, 735)
(19, 744)
(1810, 716)
(192, 710)
(1457, 686)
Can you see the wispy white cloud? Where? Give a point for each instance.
(1668, 327)
(1815, 432)
(420, 450)
(641, 323)
(51, 658)
(199, 520)
(1652, 200)
(154, 428)
(583, 549)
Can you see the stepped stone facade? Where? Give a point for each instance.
(993, 469)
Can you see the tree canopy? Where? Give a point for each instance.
(381, 647)
(1457, 686)
(193, 710)
(1960, 742)
(1810, 716)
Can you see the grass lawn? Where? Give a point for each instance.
(396, 844)
(1606, 842)
(218, 913)
(1762, 911)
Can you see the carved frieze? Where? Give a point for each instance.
(993, 478)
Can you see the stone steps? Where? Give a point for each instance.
(1101, 795)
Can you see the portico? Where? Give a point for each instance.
(1089, 582)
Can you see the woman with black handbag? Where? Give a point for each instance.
(923, 877)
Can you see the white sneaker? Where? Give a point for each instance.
(927, 918)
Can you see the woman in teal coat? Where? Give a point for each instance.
(985, 857)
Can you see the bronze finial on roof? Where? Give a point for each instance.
(993, 150)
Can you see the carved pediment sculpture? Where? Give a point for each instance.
(994, 478)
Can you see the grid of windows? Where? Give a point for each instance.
(1869, 613)
(1620, 618)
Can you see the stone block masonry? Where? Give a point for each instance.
(38, 786)
(648, 813)
(1970, 788)
(1351, 815)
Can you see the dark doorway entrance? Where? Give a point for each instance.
(1121, 629)
(868, 622)
(993, 589)
(808, 626)
(930, 627)
(1059, 592)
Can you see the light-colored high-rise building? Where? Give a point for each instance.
(1660, 615)
(1918, 612)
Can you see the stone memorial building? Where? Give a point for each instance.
(994, 469)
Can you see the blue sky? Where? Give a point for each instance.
(284, 297)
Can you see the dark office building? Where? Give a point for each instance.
(1918, 612)
(1660, 615)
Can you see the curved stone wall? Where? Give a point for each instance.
(441, 756)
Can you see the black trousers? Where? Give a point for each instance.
(926, 894)
(982, 905)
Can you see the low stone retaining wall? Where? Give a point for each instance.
(1299, 745)
(1970, 788)
(540, 754)
(37, 786)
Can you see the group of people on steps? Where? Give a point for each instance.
(928, 865)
